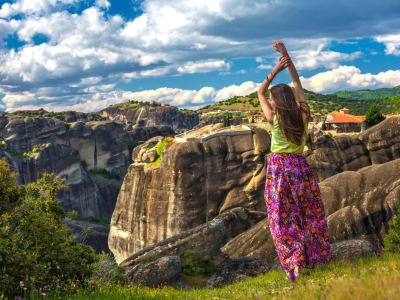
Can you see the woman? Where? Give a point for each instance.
(295, 210)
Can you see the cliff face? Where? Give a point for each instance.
(194, 183)
(329, 156)
(358, 204)
(52, 146)
(152, 116)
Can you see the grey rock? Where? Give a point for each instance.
(238, 269)
(352, 249)
(96, 236)
(153, 274)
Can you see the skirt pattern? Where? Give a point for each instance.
(296, 213)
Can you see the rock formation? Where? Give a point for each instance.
(328, 156)
(193, 183)
(146, 115)
(358, 205)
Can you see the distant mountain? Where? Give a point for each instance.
(370, 94)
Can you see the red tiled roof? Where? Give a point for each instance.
(345, 118)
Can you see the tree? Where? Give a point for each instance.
(36, 248)
(373, 115)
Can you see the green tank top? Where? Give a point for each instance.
(279, 142)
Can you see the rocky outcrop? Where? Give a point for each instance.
(35, 145)
(214, 234)
(66, 116)
(145, 133)
(237, 269)
(328, 156)
(352, 249)
(358, 205)
(162, 271)
(146, 115)
(207, 120)
(193, 183)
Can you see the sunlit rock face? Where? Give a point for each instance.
(328, 156)
(358, 205)
(193, 183)
(151, 116)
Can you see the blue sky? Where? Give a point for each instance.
(86, 55)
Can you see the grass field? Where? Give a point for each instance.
(367, 278)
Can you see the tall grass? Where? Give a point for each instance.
(367, 278)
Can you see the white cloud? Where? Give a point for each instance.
(350, 77)
(103, 3)
(204, 66)
(315, 58)
(29, 7)
(392, 43)
(171, 38)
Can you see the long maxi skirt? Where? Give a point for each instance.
(296, 212)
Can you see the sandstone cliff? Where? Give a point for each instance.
(196, 182)
(151, 116)
(34, 145)
(193, 183)
(328, 156)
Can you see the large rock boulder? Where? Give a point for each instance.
(358, 205)
(162, 271)
(328, 156)
(214, 234)
(237, 269)
(193, 183)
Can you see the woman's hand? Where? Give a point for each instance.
(282, 64)
(280, 47)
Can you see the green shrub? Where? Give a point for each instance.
(3, 144)
(101, 172)
(392, 239)
(194, 263)
(94, 220)
(373, 115)
(84, 164)
(36, 248)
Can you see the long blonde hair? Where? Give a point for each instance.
(289, 113)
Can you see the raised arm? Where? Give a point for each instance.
(280, 47)
(281, 65)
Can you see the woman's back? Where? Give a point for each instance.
(280, 143)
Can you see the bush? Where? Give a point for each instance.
(194, 263)
(101, 172)
(373, 115)
(392, 239)
(36, 248)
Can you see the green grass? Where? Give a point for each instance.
(103, 173)
(367, 278)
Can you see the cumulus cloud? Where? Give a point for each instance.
(171, 38)
(392, 43)
(29, 7)
(350, 77)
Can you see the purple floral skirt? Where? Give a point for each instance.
(296, 212)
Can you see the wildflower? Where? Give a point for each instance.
(43, 294)
(25, 288)
(324, 294)
(354, 266)
(304, 283)
(21, 283)
(292, 276)
(19, 298)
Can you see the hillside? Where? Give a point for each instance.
(319, 103)
(370, 94)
